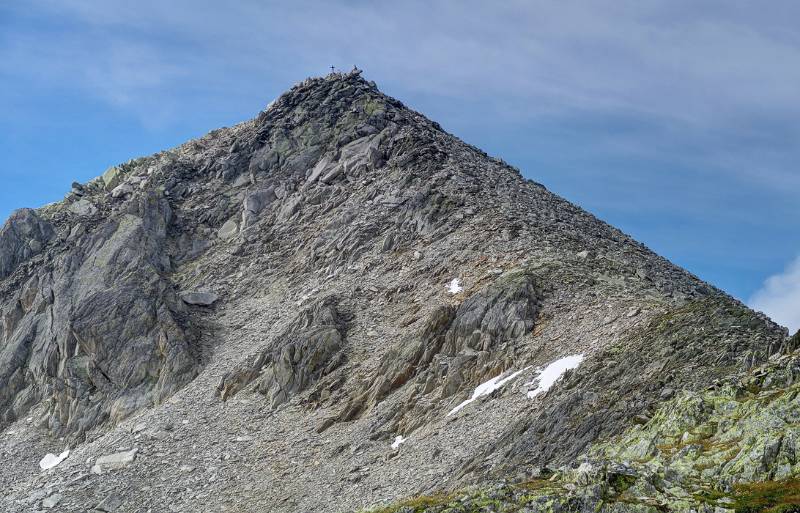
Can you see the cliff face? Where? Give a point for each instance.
(346, 303)
(92, 327)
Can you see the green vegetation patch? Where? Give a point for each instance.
(768, 497)
(416, 504)
(504, 498)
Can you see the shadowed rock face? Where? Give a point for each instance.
(291, 274)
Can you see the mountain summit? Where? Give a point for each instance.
(334, 305)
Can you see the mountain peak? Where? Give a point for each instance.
(331, 90)
(334, 275)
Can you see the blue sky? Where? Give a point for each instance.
(677, 121)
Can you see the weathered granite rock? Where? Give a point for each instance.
(96, 337)
(112, 177)
(52, 501)
(454, 350)
(122, 190)
(111, 503)
(83, 207)
(228, 230)
(720, 450)
(254, 203)
(337, 191)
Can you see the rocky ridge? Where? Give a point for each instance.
(283, 299)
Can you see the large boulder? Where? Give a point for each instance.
(254, 203)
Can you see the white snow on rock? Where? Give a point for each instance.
(51, 460)
(397, 441)
(488, 387)
(552, 373)
(455, 286)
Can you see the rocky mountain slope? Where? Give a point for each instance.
(330, 307)
(730, 448)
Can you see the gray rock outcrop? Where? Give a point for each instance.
(116, 461)
(457, 349)
(96, 335)
(199, 297)
(308, 350)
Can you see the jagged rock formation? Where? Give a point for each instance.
(307, 351)
(94, 332)
(312, 298)
(23, 236)
(454, 347)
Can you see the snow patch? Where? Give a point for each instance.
(51, 460)
(488, 387)
(552, 373)
(397, 441)
(455, 286)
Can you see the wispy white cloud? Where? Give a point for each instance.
(685, 64)
(779, 297)
(698, 75)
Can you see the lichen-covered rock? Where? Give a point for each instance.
(728, 449)
(742, 430)
(606, 394)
